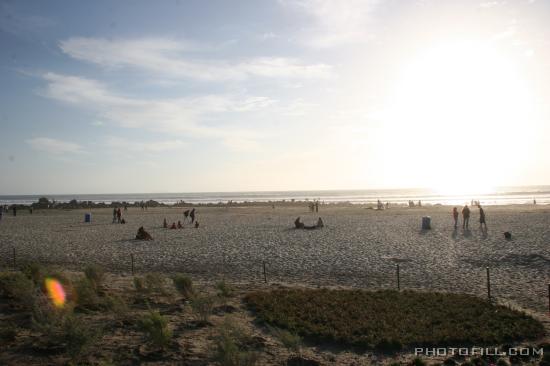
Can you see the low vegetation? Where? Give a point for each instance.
(391, 320)
(156, 328)
(203, 306)
(230, 347)
(184, 285)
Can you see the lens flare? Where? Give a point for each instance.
(55, 292)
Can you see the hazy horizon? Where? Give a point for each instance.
(282, 95)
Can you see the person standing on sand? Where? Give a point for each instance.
(118, 215)
(14, 210)
(114, 215)
(465, 216)
(455, 216)
(192, 215)
(482, 218)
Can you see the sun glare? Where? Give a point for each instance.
(459, 107)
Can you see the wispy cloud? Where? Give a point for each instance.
(168, 58)
(12, 21)
(54, 146)
(181, 116)
(334, 22)
(143, 146)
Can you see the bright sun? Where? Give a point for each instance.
(456, 113)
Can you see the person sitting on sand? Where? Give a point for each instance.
(143, 235)
(320, 223)
(180, 225)
(465, 216)
(164, 223)
(173, 226)
(455, 216)
(298, 223)
(122, 221)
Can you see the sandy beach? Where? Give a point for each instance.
(358, 247)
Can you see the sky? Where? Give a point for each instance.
(198, 96)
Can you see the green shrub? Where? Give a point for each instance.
(390, 320)
(224, 289)
(203, 306)
(117, 305)
(34, 271)
(139, 285)
(155, 282)
(18, 287)
(229, 347)
(156, 328)
(290, 340)
(86, 295)
(78, 337)
(96, 275)
(184, 285)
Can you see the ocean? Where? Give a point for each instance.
(500, 196)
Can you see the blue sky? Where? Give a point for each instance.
(174, 96)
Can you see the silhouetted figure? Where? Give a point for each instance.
(164, 223)
(298, 223)
(320, 223)
(197, 224)
(507, 235)
(465, 216)
(387, 205)
(534, 201)
(122, 221)
(455, 216)
(114, 215)
(192, 215)
(179, 225)
(14, 210)
(143, 235)
(482, 218)
(30, 210)
(118, 215)
(173, 226)
(419, 203)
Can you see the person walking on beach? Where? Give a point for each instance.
(114, 215)
(482, 218)
(455, 216)
(118, 215)
(192, 215)
(465, 216)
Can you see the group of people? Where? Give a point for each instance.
(466, 216)
(411, 203)
(381, 206)
(117, 216)
(188, 216)
(313, 206)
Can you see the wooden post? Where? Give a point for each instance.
(132, 259)
(265, 274)
(398, 279)
(14, 258)
(488, 284)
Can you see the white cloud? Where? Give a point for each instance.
(334, 22)
(166, 57)
(143, 146)
(181, 116)
(54, 146)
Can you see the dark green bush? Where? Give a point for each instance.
(391, 319)
(184, 285)
(156, 328)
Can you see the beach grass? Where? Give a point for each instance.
(390, 320)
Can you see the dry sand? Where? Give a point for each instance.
(358, 247)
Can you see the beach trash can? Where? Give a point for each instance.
(88, 217)
(426, 223)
